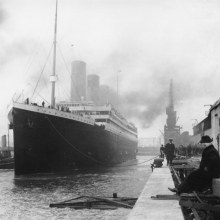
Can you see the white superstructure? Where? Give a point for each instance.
(103, 115)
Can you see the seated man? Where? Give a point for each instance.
(201, 178)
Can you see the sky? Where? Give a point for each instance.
(146, 43)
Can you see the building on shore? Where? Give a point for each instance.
(202, 128)
(209, 126)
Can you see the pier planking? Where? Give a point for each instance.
(148, 208)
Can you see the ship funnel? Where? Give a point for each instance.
(93, 88)
(78, 80)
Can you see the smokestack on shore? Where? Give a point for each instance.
(4, 141)
(78, 81)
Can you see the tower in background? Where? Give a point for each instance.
(171, 130)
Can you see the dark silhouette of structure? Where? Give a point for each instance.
(171, 130)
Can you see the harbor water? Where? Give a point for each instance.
(28, 197)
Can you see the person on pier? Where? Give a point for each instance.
(162, 149)
(170, 151)
(201, 178)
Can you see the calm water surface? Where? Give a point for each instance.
(28, 197)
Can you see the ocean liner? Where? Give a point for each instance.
(69, 135)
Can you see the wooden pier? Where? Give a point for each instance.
(156, 201)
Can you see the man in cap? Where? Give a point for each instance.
(201, 178)
(169, 151)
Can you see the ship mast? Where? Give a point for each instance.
(53, 76)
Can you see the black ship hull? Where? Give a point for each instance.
(48, 143)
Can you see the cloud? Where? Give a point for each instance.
(14, 50)
(2, 14)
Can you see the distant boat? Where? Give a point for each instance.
(6, 160)
(7, 163)
(69, 135)
(92, 202)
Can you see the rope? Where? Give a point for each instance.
(43, 98)
(64, 60)
(42, 71)
(40, 95)
(140, 162)
(72, 145)
(69, 76)
(89, 157)
(65, 63)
